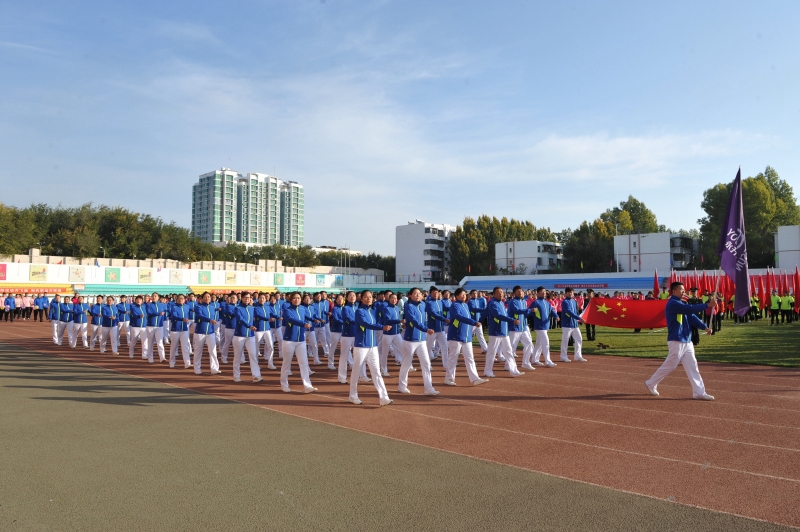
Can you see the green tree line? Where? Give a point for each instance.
(115, 232)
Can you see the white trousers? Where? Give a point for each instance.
(290, 350)
(577, 341)
(335, 336)
(269, 344)
(322, 339)
(437, 341)
(127, 326)
(328, 334)
(76, 329)
(175, 338)
(240, 343)
(502, 345)
(166, 334)
(107, 333)
(368, 356)
(421, 350)
(453, 350)
(94, 335)
(58, 331)
(542, 347)
(311, 346)
(680, 353)
(54, 326)
(210, 341)
(155, 338)
(527, 344)
(138, 334)
(219, 333)
(227, 338)
(387, 341)
(346, 342)
(481, 339)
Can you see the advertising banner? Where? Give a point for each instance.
(230, 277)
(203, 277)
(175, 277)
(145, 275)
(77, 274)
(112, 275)
(38, 273)
(278, 279)
(300, 279)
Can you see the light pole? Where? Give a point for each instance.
(104, 251)
(616, 233)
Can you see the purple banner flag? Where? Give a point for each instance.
(732, 248)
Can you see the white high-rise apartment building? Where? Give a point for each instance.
(421, 252)
(252, 209)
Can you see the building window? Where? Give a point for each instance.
(634, 244)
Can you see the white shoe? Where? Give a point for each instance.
(652, 390)
(412, 368)
(286, 389)
(480, 381)
(432, 392)
(385, 374)
(550, 365)
(332, 368)
(237, 379)
(489, 375)
(257, 379)
(385, 402)
(537, 364)
(309, 390)
(581, 359)
(343, 381)
(271, 367)
(518, 374)
(355, 400)
(403, 390)
(449, 383)
(528, 367)
(704, 397)
(364, 379)
(310, 372)
(565, 360)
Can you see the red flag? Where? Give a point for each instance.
(796, 289)
(762, 298)
(655, 284)
(628, 314)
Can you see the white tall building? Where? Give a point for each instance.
(421, 252)
(654, 251)
(787, 247)
(528, 257)
(252, 209)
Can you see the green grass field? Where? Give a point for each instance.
(751, 343)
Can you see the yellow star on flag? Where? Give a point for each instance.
(615, 319)
(603, 308)
(622, 315)
(624, 309)
(619, 304)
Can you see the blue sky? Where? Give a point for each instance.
(394, 111)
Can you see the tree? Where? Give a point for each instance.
(768, 202)
(590, 246)
(472, 243)
(631, 217)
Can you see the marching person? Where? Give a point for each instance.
(520, 330)
(680, 320)
(321, 309)
(79, 324)
(65, 318)
(311, 336)
(155, 328)
(138, 326)
(590, 329)
(365, 350)
(227, 311)
(436, 322)
(348, 335)
(40, 305)
(570, 320)
(459, 340)
(542, 311)
(124, 319)
(498, 335)
(54, 317)
(264, 320)
(244, 337)
(477, 305)
(414, 343)
(96, 322)
(336, 325)
(179, 332)
(108, 326)
(205, 322)
(390, 318)
(294, 343)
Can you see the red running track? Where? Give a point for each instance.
(592, 422)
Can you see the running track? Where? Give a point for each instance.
(591, 422)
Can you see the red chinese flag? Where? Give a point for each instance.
(627, 314)
(655, 284)
(796, 289)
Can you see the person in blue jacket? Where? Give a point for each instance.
(294, 343)
(40, 306)
(123, 319)
(205, 322)
(227, 313)
(680, 320)
(321, 309)
(570, 327)
(391, 337)
(10, 305)
(348, 335)
(264, 322)
(365, 350)
(179, 332)
(414, 342)
(336, 324)
(459, 340)
(436, 342)
(79, 324)
(54, 315)
(65, 318)
(520, 332)
(138, 322)
(95, 322)
(244, 338)
(108, 325)
(155, 310)
(477, 306)
(311, 337)
(542, 312)
(277, 310)
(499, 320)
